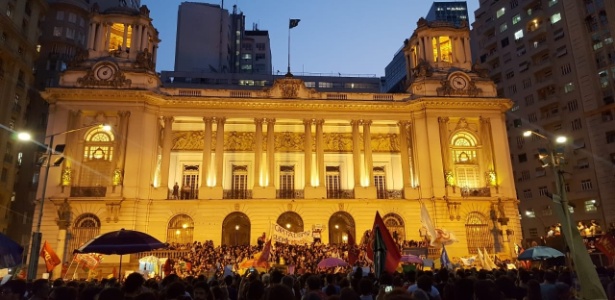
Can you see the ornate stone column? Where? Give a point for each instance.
(271, 152)
(320, 152)
(120, 155)
(206, 165)
(125, 37)
(63, 221)
(445, 149)
(356, 152)
(258, 151)
(368, 159)
(467, 52)
(136, 39)
(107, 36)
(429, 49)
(219, 151)
(144, 38)
(98, 39)
(488, 155)
(307, 123)
(167, 144)
(91, 34)
(405, 159)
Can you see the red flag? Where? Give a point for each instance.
(50, 257)
(393, 256)
(606, 245)
(353, 251)
(263, 259)
(524, 263)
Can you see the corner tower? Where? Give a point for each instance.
(121, 51)
(439, 63)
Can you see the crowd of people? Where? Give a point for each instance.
(443, 284)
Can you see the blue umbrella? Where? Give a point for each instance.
(539, 253)
(121, 242)
(10, 252)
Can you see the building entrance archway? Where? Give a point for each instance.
(341, 224)
(291, 221)
(236, 229)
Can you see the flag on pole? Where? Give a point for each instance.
(293, 23)
(50, 257)
(488, 259)
(382, 249)
(353, 251)
(263, 259)
(445, 262)
(524, 263)
(428, 224)
(483, 261)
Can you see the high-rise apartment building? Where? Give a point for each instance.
(556, 60)
(395, 79)
(210, 39)
(19, 33)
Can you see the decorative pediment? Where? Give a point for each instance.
(105, 74)
(289, 88)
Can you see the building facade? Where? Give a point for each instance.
(195, 164)
(19, 34)
(554, 59)
(455, 12)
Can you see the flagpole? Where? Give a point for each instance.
(288, 74)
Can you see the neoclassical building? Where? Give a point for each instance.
(195, 164)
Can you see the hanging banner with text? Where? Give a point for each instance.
(281, 235)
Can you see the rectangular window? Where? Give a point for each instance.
(57, 31)
(72, 18)
(529, 100)
(532, 117)
(60, 15)
(503, 27)
(582, 163)
(543, 191)
(527, 194)
(590, 206)
(610, 137)
(561, 51)
(530, 213)
(555, 18)
(287, 182)
(573, 105)
(568, 87)
(239, 184)
(380, 182)
(586, 185)
(533, 232)
(520, 141)
(525, 175)
(510, 74)
(527, 83)
(190, 182)
(522, 157)
(518, 34)
(334, 190)
(576, 124)
(512, 89)
(566, 69)
(500, 12)
(70, 33)
(516, 18)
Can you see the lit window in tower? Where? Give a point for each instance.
(116, 37)
(443, 49)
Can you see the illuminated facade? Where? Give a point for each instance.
(185, 164)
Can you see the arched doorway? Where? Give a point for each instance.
(291, 221)
(180, 229)
(478, 234)
(395, 225)
(85, 228)
(236, 229)
(341, 224)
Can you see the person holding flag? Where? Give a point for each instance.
(382, 249)
(445, 262)
(50, 257)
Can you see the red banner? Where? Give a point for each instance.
(606, 244)
(50, 257)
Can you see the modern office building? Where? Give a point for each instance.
(211, 40)
(456, 13)
(224, 164)
(19, 33)
(556, 60)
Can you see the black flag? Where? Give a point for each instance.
(293, 23)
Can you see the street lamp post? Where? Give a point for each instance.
(37, 235)
(590, 286)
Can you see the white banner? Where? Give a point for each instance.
(281, 235)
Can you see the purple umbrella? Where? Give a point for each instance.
(332, 262)
(412, 259)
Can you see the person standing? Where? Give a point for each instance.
(176, 191)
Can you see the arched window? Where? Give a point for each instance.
(97, 167)
(291, 220)
(85, 228)
(180, 229)
(464, 151)
(395, 225)
(478, 233)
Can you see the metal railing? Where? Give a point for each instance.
(93, 191)
(476, 192)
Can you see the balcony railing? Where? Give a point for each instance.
(172, 254)
(92, 191)
(237, 194)
(340, 194)
(476, 192)
(289, 194)
(390, 194)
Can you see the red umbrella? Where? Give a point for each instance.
(413, 259)
(332, 262)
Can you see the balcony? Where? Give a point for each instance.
(340, 194)
(237, 194)
(476, 192)
(88, 191)
(289, 194)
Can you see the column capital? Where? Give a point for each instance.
(258, 120)
(355, 122)
(308, 121)
(220, 120)
(443, 120)
(366, 122)
(484, 120)
(208, 120)
(167, 119)
(404, 123)
(270, 121)
(319, 121)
